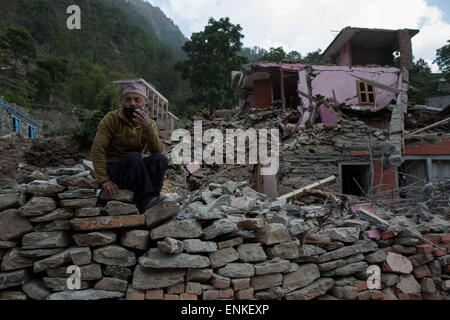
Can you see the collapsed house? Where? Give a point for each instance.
(348, 118)
(15, 120)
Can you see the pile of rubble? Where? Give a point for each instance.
(224, 241)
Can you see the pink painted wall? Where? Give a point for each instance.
(341, 80)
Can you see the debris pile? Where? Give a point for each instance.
(225, 241)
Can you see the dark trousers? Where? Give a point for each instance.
(145, 177)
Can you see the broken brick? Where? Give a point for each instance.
(426, 248)
(171, 297)
(154, 294)
(361, 286)
(188, 296)
(422, 272)
(439, 253)
(176, 289)
(246, 294)
(226, 293)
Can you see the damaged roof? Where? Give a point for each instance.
(366, 37)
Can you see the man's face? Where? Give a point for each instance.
(134, 100)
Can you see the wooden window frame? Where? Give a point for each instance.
(366, 93)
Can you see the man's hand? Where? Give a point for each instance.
(110, 188)
(141, 118)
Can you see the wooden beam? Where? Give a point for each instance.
(326, 181)
(435, 125)
(283, 98)
(378, 85)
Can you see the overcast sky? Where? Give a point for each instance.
(306, 25)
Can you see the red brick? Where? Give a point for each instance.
(425, 248)
(422, 272)
(358, 153)
(446, 268)
(433, 238)
(439, 253)
(444, 238)
(387, 250)
(154, 294)
(361, 286)
(389, 234)
(135, 296)
(226, 293)
(409, 296)
(246, 294)
(176, 289)
(171, 297)
(376, 295)
(188, 296)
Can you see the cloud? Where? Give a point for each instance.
(305, 25)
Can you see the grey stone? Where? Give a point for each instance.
(360, 224)
(12, 225)
(435, 269)
(60, 284)
(53, 261)
(124, 195)
(171, 246)
(57, 225)
(14, 260)
(287, 250)
(219, 227)
(407, 251)
(9, 200)
(303, 277)
(272, 266)
(78, 182)
(118, 272)
(36, 290)
(114, 255)
(200, 216)
(44, 188)
(355, 258)
(334, 246)
(89, 294)
(266, 281)
(200, 275)
(161, 212)
(95, 239)
(57, 214)
(279, 218)
(156, 259)
(389, 279)
(274, 293)
(181, 229)
(13, 295)
(344, 281)
(87, 212)
(81, 256)
(237, 270)
(136, 239)
(112, 284)
(47, 240)
(251, 252)
(347, 269)
(273, 234)
(308, 250)
(198, 246)
(345, 293)
(222, 257)
(7, 244)
(408, 242)
(145, 279)
(230, 243)
(37, 206)
(78, 194)
(420, 259)
(300, 228)
(346, 235)
(326, 266)
(220, 282)
(14, 278)
(35, 175)
(376, 257)
(78, 203)
(91, 272)
(116, 208)
(194, 288)
(362, 246)
(316, 289)
(65, 171)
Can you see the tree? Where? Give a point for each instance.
(294, 55)
(313, 57)
(20, 43)
(211, 56)
(443, 59)
(274, 55)
(422, 79)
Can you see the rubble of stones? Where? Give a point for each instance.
(227, 242)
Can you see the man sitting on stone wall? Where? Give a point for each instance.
(116, 153)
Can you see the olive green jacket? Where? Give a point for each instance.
(116, 137)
